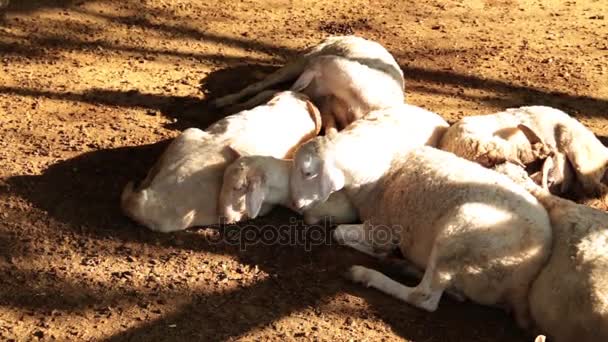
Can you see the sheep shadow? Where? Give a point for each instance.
(230, 80)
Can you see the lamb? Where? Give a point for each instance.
(527, 134)
(254, 184)
(351, 47)
(183, 187)
(347, 89)
(346, 77)
(569, 298)
(391, 129)
(470, 228)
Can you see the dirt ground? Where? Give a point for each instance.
(91, 91)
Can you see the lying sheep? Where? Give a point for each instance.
(254, 184)
(351, 47)
(388, 130)
(347, 89)
(470, 228)
(569, 298)
(183, 187)
(492, 139)
(526, 134)
(346, 77)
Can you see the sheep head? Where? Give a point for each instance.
(243, 190)
(314, 175)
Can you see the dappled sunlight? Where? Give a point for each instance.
(92, 92)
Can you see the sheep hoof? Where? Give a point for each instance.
(360, 274)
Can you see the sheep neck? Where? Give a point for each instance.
(277, 180)
(362, 168)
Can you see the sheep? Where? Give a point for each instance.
(351, 47)
(491, 139)
(346, 89)
(470, 228)
(393, 129)
(253, 184)
(182, 188)
(569, 298)
(527, 134)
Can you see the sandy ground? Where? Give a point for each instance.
(91, 91)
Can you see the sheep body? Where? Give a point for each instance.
(527, 134)
(182, 189)
(486, 236)
(569, 298)
(488, 139)
(352, 47)
(469, 227)
(347, 89)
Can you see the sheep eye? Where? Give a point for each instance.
(308, 174)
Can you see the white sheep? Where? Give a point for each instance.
(352, 47)
(569, 298)
(252, 185)
(470, 228)
(346, 77)
(527, 134)
(388, 130)
(346, 89)
(183, 187)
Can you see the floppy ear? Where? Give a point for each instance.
(304, 80)
(532, 136)
(331, 180)
(234, 152)
(548, 165)
(255, 196)
(315, 115)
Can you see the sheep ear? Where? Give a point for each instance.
(532, 136)
(315, 115)
(304, 80)
(547, 166)
(255, 197)
(234, 152)
(332, 180)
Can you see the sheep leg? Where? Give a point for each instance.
(260, 98)
(353, 236)
(421, 296)
(407, 269)
(425, 296)
(329, 124)
(327, 117)
(284, 74)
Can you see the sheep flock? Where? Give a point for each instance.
(483, 208)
